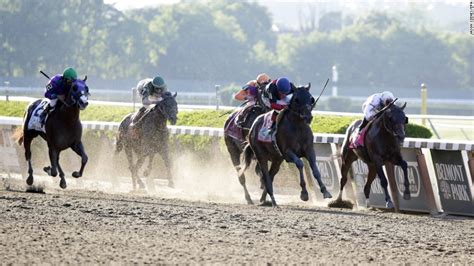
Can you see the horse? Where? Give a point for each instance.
(62, 130)
(294, 140)
(383, 138)
(235, 144)
(153, 137)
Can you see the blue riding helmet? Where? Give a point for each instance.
(283, 85)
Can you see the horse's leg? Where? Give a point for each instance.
(78, 148)
(370, 178)
(234, 152)
(268, 182)
(384, 183)
(291, 156)
(166, 160)
(138, 165)
(62, 182)
(346, 166)
(27, 143)
(131, 166)
(53, 158)
(258, 171)
(311, 157)
(403, 164)
(273, 171)
(146, 173)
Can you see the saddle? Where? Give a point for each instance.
(232, 130)
(357, 138)
(241, 118)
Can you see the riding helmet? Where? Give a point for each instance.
(283, 85)
(387, 96)
(263, 78)
(159, 83)
(70, 73)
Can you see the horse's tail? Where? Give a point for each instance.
(122, 131)
(18, 136)
(247, 159)
(118, 143)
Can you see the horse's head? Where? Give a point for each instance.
(78, 94)
(395, 121)
(169, 107)
(302, 103)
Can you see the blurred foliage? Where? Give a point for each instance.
(227, 40)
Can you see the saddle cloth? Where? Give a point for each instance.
(357, 138)
(232, 130)
(35, 119)
(264, 131)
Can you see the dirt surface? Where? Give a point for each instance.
(79, 226)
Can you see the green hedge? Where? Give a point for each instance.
(206, 118)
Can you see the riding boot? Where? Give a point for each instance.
(273, 125)
(363, 124)
(139, 115)
(47, 109)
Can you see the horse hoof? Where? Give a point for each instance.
(389, 205)
(62, 183)
(304, 196)
(47, 169)
(76, 174)
(249, 200)
(170, 184)
(327, 195)
(406, 196)
(29, 180)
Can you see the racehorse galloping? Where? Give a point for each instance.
(383, 138)
(235, 144)
(152, 139)
(294, 139)
(62, 130)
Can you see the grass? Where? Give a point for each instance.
(204, 118)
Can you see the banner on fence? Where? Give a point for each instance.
(453, 183)
(8, 154)
(418, 201)
(328, 168)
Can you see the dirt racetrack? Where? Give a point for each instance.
(80, 226)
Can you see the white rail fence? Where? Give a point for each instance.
(440, 166)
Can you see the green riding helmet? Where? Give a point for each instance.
(70, 73)
(159, 83)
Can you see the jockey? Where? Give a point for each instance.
(373, 104)
(249, 91)
(57, 88)
(279, 95)
(263, 79)
(150, 90)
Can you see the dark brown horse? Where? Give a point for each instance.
(152, 138)
(382, 145)
(294, 139)
(63, 130)
(235, 144)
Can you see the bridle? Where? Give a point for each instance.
(388, 128)
(299, 110)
